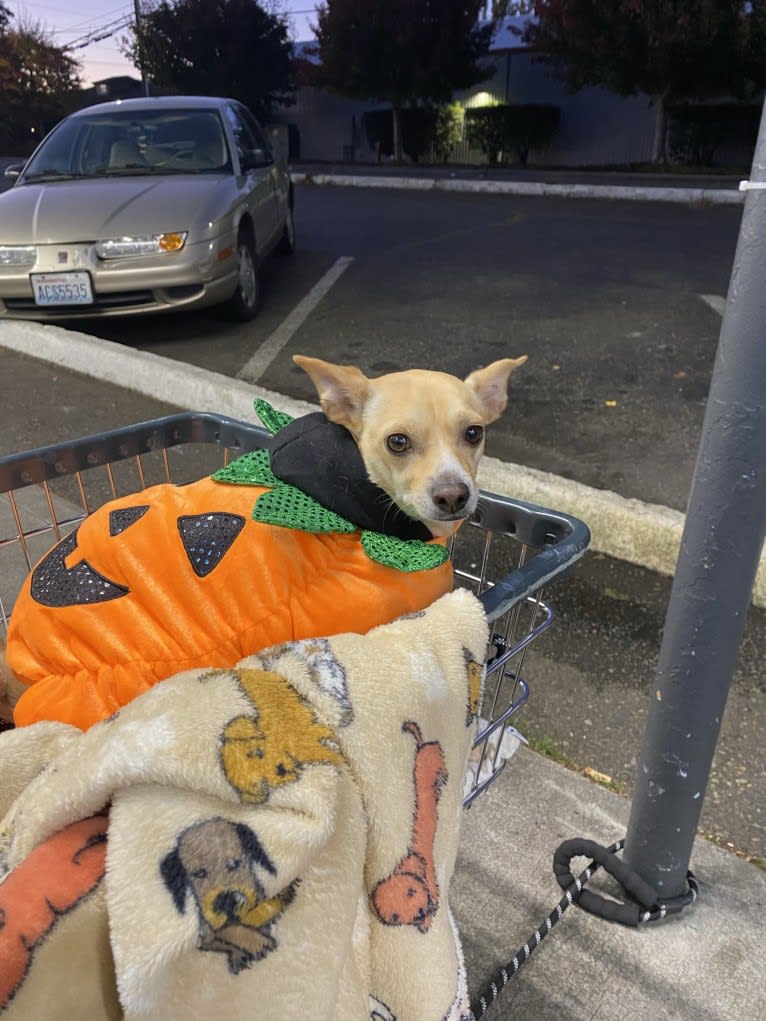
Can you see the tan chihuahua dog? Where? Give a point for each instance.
(420, 436)
(420, 433)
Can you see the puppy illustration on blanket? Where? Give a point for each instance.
(216, 862)
(263, 751)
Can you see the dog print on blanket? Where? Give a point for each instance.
(410, 894)
(216, 862)
(56, 877)
(272, 747)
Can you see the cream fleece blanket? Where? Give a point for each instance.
(279, 842)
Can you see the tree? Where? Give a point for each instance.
(669, 49)
(6, 65)
(401, 51)
(37, 80)
(216, 48)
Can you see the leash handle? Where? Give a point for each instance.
(627, 913)
(645, 908)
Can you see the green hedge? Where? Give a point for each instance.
(511, 128)
(425, 130)
(696, 132)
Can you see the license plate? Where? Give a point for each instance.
(62, 288)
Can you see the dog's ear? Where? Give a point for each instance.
(342, 389)
(175, 879)
(490, 385)
(251, 845)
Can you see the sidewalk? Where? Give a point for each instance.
(703, 965)
(569, 183)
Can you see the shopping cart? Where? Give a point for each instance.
(507, 555)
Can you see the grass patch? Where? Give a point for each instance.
(547, 747)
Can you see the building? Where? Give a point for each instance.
(596, 128)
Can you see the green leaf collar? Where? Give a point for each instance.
(286, 506)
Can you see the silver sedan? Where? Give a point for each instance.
(144, 205)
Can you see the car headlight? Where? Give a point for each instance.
(17, 255)
(153, 244)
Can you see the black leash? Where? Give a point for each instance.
(645, 908)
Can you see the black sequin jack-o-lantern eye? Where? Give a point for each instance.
(207, 538)
(55, 584)
(121, 519)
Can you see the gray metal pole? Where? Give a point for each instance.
(720, 548)
(139, 37)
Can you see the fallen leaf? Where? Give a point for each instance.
(679, 375)
(595, 775)
(611, 404)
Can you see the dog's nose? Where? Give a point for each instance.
(451, 498)
(227, 902)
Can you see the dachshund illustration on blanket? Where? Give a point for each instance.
(57, 875)
(216, 860)
(410, 894)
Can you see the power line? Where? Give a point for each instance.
(97, 34)
(30, 8)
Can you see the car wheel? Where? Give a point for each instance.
(286, 244)
(245, 302)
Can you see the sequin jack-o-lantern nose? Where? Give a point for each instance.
(180, 577)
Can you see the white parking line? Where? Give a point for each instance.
(716, 302)
(268, 351)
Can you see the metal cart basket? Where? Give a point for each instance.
(507, 554)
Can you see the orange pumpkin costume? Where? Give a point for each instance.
(178, 577)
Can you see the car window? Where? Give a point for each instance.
(248, 138)
(59, 154)
(130, 142)
(255, 129)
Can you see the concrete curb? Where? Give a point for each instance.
(648, 535)
(690, 196)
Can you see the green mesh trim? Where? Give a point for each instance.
(251, 469)
(272, 419)
(402, 554)
(287, 506)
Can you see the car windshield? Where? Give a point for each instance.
(132, 142)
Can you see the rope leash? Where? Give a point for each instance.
(647, 909)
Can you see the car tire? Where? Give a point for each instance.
(286, 244)
(246, 300)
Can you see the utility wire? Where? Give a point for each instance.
(97, 34)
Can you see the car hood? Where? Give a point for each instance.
(88, 210)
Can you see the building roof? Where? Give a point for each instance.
(508, 34)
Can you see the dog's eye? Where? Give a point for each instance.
(232, 864)
(474, 434)
(397, 443)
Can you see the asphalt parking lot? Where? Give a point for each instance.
(604, 297)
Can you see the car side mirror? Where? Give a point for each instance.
(13, 170)
(252, 159)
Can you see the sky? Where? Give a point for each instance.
(67, 21)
